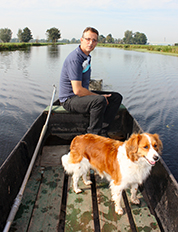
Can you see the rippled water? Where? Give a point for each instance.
(148, 83)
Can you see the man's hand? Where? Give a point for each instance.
(106, 96)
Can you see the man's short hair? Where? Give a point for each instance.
(90, 29)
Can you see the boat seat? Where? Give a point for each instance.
(60, 109)
(69, 124)
(57, 109)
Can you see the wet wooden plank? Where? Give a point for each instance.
(79, 213)
(24, 213)
(143, 218)
(47, 207)
(46, 191)
(51, 155)
(109, 220)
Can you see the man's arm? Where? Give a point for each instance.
(80, 91)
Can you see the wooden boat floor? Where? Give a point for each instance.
(92, 210)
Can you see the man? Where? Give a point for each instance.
(74, 82)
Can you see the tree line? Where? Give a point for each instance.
(53, 34)
(129, 38)
(25, 35)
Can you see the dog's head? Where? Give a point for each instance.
(147, 146)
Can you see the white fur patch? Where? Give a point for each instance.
(70, 168)
(131, 172)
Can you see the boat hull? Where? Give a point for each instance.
(160, 190)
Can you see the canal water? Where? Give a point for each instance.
(148, 83)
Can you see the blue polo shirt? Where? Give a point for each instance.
(76, 67)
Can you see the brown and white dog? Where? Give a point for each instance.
(124, 164)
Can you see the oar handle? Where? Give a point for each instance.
(51, 104)
(19, 196)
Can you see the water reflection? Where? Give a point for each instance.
(53, 51)
(5, 61)
(23, 59)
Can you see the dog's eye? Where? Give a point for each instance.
(155, 146)
(145, 147)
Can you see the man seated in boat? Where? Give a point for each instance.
(74, 94)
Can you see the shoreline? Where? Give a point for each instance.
(155, 52)
(22, 46)
(156, 49)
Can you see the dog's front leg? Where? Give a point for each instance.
(134, 198)
(118, 207)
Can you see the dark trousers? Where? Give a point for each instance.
(101, 114)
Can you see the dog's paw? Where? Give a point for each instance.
(119, 210)
(77, 190)
(135, 201)
(88, 182)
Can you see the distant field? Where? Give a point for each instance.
(167, 50)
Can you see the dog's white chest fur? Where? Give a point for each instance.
(132, 172)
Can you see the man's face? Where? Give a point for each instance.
(88, 42)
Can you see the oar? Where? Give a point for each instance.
(19, 196)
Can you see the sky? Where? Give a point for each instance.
(157, 19)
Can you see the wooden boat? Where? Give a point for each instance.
(49, 204)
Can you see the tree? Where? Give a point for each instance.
(25, 35)
(19, 35)
(134, 38)
(65, 41)
(128, 39)
(140, 38)
(5, 35)
(101, 39)
(109, 39)
(74, 40)
(120, 41)
(53, 34)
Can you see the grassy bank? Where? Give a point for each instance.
(167, 50)
(20, 46)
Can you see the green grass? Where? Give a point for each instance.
(169, 50)
(21, 46)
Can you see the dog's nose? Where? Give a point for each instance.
(156, 158)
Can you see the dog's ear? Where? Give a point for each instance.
(159, 143)
(132, 147)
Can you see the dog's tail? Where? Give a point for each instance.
(65, 162)
(68, 166)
